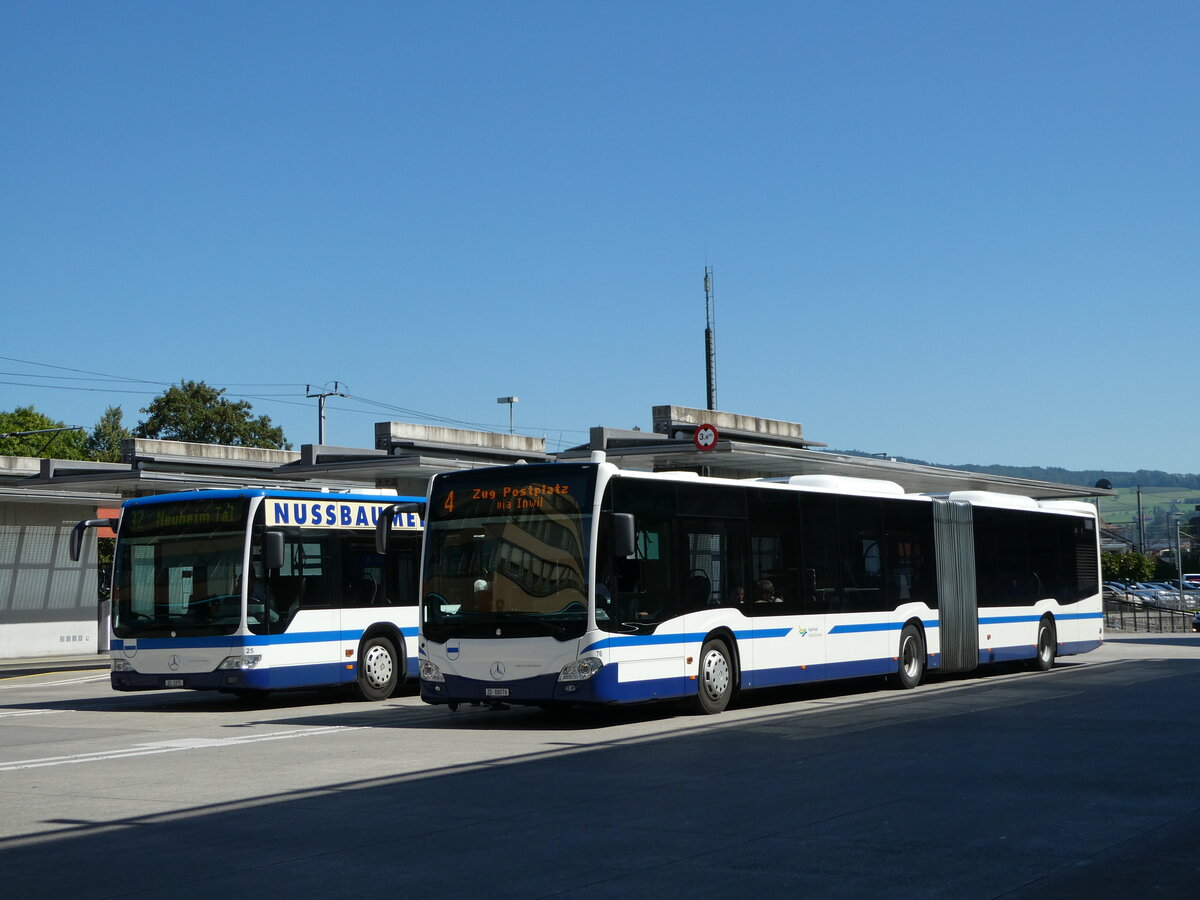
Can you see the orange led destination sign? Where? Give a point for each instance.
(509, 496)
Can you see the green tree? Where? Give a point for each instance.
(104, 443)
(1128, 566)
(194, 411)
(60, 445)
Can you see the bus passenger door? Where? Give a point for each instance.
(787, 624)
(714, 589)
(862, 637)
(645, 607)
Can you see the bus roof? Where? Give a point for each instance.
(282, 494)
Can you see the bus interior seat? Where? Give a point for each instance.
(697, 589)
(363, 590)
(287, 590)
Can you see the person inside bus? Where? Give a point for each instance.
(483, 600)
(764, 592)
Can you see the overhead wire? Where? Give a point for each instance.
(263, 397)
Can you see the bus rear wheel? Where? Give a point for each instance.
(714, 683)
(1047, 647)
(378, 669)
(910, 664)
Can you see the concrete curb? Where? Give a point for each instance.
(37, 665)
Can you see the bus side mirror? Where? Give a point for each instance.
(80, 528)
(383, 528)
(272, 550)
(383, 525)
(624, 535)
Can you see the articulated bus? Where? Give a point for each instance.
(580, 583)
(250, 591)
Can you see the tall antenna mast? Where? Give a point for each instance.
(710, 346)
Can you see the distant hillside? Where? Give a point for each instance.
(1086, 478)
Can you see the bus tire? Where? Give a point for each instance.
(378, 669)
(714, 682)
(1047, 646)
(910, 663)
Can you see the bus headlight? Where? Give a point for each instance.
(581, 669)
(122, 665)
(240, 662)
(430, 672)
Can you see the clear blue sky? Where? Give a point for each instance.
(962, 232)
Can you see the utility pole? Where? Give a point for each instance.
(710, 346)
(321, 395)
(1141, 532)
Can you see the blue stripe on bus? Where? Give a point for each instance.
(646, 640)
(1037, 617)
(862, 627)
(247, 640)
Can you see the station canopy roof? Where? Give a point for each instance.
(736, 459)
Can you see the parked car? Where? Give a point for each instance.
(1196, 622)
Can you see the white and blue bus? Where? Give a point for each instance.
(251, 591)
(584, 583)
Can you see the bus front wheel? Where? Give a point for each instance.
(714, 683)
(910, 665)
(378, 669)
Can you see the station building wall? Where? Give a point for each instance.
(48, 604)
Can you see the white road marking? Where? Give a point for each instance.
(171, 747)
(29, 712)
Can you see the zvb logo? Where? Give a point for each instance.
(497, 670)
(173, 663)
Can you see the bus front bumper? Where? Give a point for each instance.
(193, 681)
(603, 688)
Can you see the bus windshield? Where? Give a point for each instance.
(177, 567)
(506, 553)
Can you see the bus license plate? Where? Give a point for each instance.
(495, 692)
(173, 682)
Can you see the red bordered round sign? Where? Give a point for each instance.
(706, 437)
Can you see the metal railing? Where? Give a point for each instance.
(1121, 615)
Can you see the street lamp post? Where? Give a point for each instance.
(510, 401)
(1179, 557)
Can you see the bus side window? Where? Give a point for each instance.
(819, 521)
(774, 553)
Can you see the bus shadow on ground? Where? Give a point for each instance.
(184, 702)
(509, 717)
